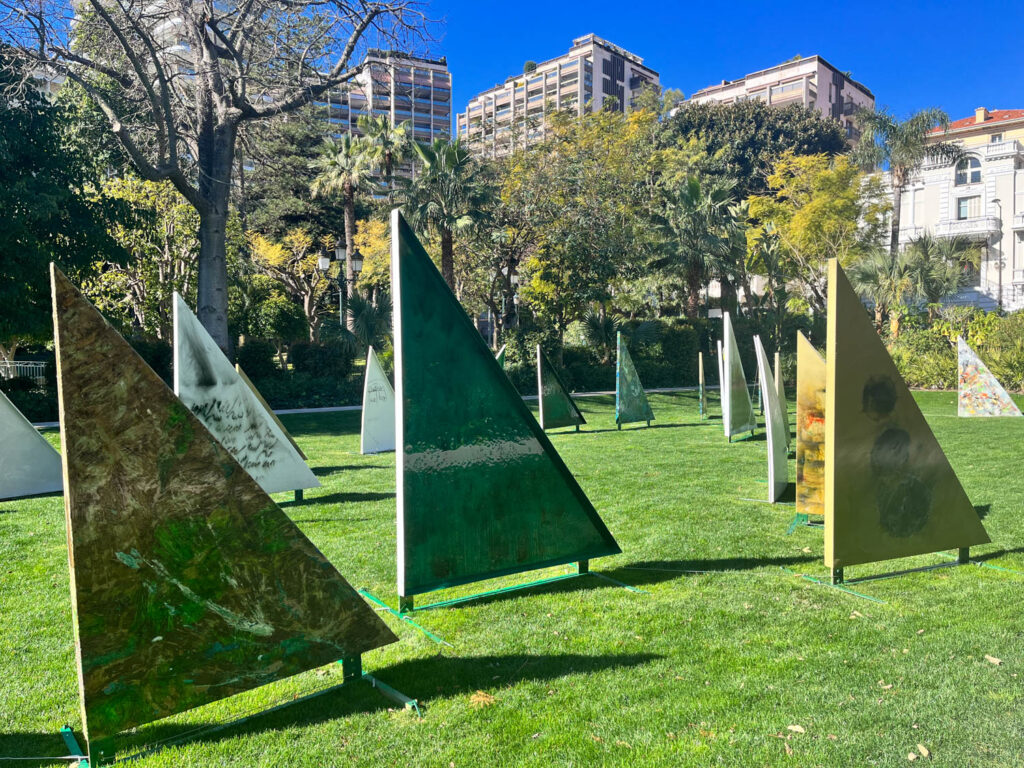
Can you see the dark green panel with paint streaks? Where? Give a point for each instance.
(481, 491)
(188, 583)
(630, 399)
(557, 408)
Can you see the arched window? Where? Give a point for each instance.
(968, 171)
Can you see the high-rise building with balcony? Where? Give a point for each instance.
(810, 81)
(593, 75)
(980, 198)
(402, 87)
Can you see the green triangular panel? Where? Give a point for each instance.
(557, 408)
(630, 399)
(500, 357)
(737, 410)
(481, 490)
(889, 489)
(979, 393)
(188, 583)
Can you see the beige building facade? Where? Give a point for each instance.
(981, 197)
(595, 74)
(811, 81)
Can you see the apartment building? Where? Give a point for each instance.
(981, 197)
(400, 86)
(810, 81)
(595, 74)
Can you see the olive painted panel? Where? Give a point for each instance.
(481, 490)
(979, 393)
(810, 428)
(557, 408)
(630, 399)
(889, 489)
(737, 410)
(188, 583)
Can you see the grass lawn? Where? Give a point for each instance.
(749, 665)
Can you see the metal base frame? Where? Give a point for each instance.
(407, 603)
(352, 672)
(963, 557)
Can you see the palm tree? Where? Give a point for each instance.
(885, 281)
(939, 266)
(387, 144)
(446, 197)
(903, 146)
(370, 320)
(697, 219)
(344, 169)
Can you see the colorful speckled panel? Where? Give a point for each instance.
(737, 410)
(210, 386)
(630, 399)
(188, 583)
(979, 392)
(557, 408)
(889, 489)
(810, 428)
(481, 490)
(377, 429)
(778, 454)
(28, 464)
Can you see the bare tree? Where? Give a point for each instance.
(177, 78)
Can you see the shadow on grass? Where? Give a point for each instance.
(630, 427)
(982, 510)
(338, 498)
(322, 471)
(656, 571)
(425, 679)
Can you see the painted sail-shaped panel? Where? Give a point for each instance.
(702, 384)
(889, 488)
(29, 465)
(377, 433)
(630, 399)
(481, 490)
(737, 409)
(210, 386)
(810, 428)
(188, 583)
(557, 408)
(778, 453)
(979, 393)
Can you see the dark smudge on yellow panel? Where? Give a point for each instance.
(810, 429)
(188, 583)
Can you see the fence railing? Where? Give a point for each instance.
(24, 369)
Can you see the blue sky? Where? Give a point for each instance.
(956, 58)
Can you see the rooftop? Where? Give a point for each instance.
(784, 65)
(986, 117)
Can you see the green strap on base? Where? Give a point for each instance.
(377, 601)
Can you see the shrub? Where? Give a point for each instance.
(301, 390)
(321, 360)
(157, 354)
(925, 358)
(256, 358)
(35, 404)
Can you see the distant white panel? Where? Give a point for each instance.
(737, 410)
(208, 384)
(28, 464)
(778, 452)
(378, 430)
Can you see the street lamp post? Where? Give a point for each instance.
(345, 286)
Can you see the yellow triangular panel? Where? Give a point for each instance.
(890, 491)
(810, 428)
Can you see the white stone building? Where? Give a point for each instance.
(810, 81)
(982, 198)
(514, 113)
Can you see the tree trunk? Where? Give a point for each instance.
(897, 204)
(447, 260)
(350, 249)
(693, 285)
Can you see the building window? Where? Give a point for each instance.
(968, 171)
(995, 138)
(968, 207)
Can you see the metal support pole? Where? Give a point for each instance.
(963, 556)
(583, 566)
(298, 494)
(837, 575)
(406, 604)
(352, 668)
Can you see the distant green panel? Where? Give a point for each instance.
(630, 399)
(500, 357)
(557, 408)
(481, 491)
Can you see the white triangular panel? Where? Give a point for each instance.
(778, 453)
(28, 464)
(210, 386)
(378, 430)
(737, 409)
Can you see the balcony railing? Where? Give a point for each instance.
(979, 227)
(1009, 148)
(1018, 222)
